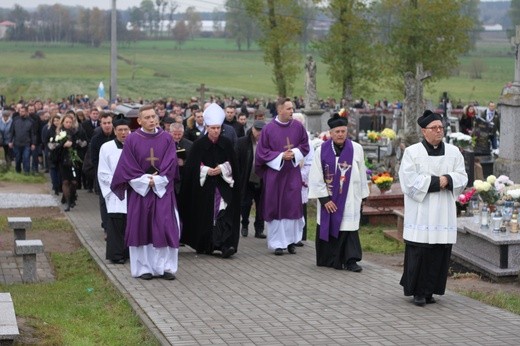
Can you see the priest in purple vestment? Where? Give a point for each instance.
(283, 144)
(147, 170)
(338, 179)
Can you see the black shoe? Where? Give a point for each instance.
(119, 261)
(354, 267)
(419, 300)
(430, 300)
(292, 249)
(244, 232)
(90, 191)
(168, 276)
(67, 209)
(299, 244)
(73, 204)
(228, 252)
(146, 276)
(278, 252)
(260, 235)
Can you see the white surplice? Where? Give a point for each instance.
(431, 217)
(358, 187)
(109, 155)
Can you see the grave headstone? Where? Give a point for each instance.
(469, 163)
(365, 123)
(481, 131)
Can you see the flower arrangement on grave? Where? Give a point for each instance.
(383, 181)
(63, 137)
(461, 140)
(465, 197)
(491, 190)
(513, 194)
(463, 200)
(373, 136)
(388, 133)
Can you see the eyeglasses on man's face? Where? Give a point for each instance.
(435, 128)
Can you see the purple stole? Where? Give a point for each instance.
(337, 178)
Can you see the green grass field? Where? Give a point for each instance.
(153, 69)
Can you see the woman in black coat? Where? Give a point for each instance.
(48, 135)
(70, 139)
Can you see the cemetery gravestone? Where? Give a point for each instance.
(481, 131)
(469, 162)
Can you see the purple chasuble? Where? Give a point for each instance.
(150, 219)
(337, 178)
(281, 197)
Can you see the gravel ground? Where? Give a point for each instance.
(26, 200)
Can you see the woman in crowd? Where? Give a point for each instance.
(80, 116)
(70, 138)
(5, 136)
(48, 135)
(466, 121)
(82, 178)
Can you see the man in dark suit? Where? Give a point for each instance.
(250, 183)
(183, 147)
(231, 120)
(90, 125)
(196, 129)
(492, 117)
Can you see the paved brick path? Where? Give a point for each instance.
(257, 298)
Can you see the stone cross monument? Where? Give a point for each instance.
(202, 91)
(515, 41)
(508, 162)
(312, 109)
(311, 98)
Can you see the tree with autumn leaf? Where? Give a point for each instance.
(424, 40)
(281, 25)
(350, 50)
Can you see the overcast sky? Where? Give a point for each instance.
(200, 5)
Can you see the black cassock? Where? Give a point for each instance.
(425, 269)
(198, 202)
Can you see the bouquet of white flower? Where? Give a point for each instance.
(514, 194)
(461, 140)
(492, 188)
(62, 138)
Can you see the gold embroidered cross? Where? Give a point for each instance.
(152, 158)
(289, 146)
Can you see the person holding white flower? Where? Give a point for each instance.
(69, 138)
(432, 174)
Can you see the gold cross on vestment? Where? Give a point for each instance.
(289, 146)
(152, 158)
